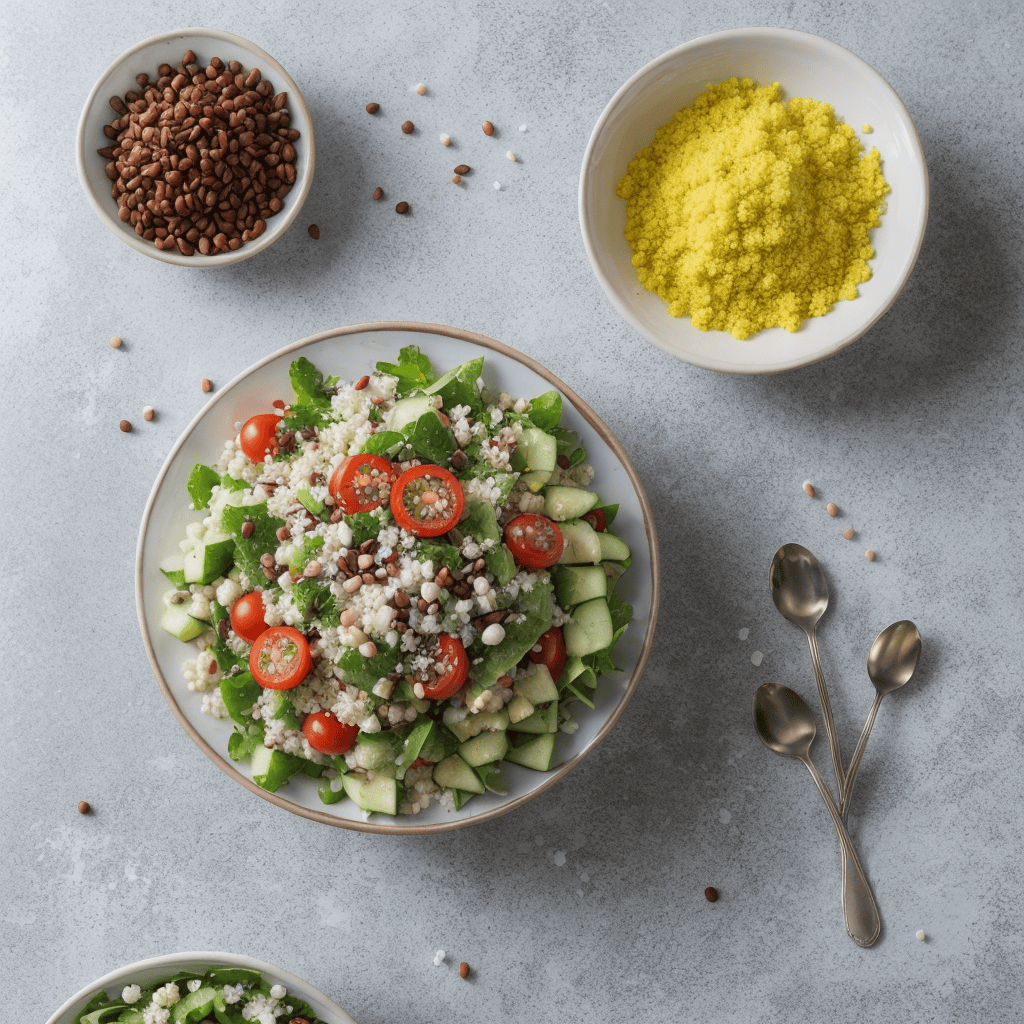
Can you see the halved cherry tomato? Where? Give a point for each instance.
(597, 519)
(451, 665)
(534, 540)
(247, 616)
(427, 501)
(326, 734)
(257, 435)
(361, 483)
(280, 658)
(552, 653)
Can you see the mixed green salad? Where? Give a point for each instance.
(221, 995)
(401, 583)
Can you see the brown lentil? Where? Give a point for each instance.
(207, 384)
(832, 509)
(463, 169)
(463, 968)
(83, 807)
(711, 894)
(201, 157)
(115, 341)
(378, 193)
(488, 128)
(372, 108)
(125, 426)
(402, 207)
(361, 383)
(148, 413)
(848, 533)
(457, 179)
(869, 555)
(408, 127)
(809, 489)
(314, 231)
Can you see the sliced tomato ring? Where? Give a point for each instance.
(450, 669)
(361, 483)
(280, 658)
(551, 654)
(535, 541)
(427, 501)
(325, 733)
(597, 520)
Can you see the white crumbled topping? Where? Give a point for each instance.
(232, 993)
(166, 995)
(439, 958)
(154, 1014)
(131, 994)
(278, 992)
(195, 984)
(213, 705)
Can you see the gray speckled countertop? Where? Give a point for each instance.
(587, 904)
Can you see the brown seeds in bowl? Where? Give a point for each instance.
(201, 157)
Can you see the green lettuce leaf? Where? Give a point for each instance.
(263, 540)
(497, 661)
(458, 386)
(413, 370)
(546, 410)
(201, 482)
(431, 439)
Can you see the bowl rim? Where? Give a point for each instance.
(764, 32)
(171, 960)
(607, 436)
(198, 261)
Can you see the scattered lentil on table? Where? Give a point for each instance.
(402, 207)
(869, 555)
(115, 341)
(378, 193)
(457, 179)
(314, 231)
(207, 384)
(510, 156)
(488, 128)
(711, 894)
(148, 413)
(463, 970)
(809, 489)
(125, 426)
(408, 127)
(848, 533)
(421, 90)
(84, 807)
(463, 169)
(446, 140)
(372, 108)
(832, 509)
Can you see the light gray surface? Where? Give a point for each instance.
(587, 904)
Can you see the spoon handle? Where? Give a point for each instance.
(859, 911)
(851, 776)
(826, 712)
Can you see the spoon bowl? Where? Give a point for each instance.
(893, 656)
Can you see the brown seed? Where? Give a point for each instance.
(408, 127)
(848, 533)
(463, 169)
(809, 489)
(314, 231)
(421, 90)
(488, 128)
(115, 341)
(83, 807)
(457, 179)
(463, 968)
(372, 108)
(207, 384)
(125, 426)
(711, 894)
(361, 383)
(869, 555)
(248, 529)
(148, 413)
(402, 207)
(378, 193)
(832, 509)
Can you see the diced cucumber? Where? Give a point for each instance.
(536, 456)
(271, 769)
(485, 721)
(561, 503)
(173, 568)
(518, 708)
(542, 720)
(378, 794)
(179, 623)
(311, 504)
(575, 584)
(590, 629)
(582, 543)
(612, 549)
(409, 410)
(454, 773)
(377, 749)
(536, 685)
(537, 753)
(483, 749)
(208, 559)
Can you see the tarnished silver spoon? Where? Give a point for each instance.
(891, 662)
(800, 592)
(785, 724)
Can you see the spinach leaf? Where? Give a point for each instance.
(413, 370)
(201, 482)
(263, 540)
(431, 439)
(458, 386)
(546, 410)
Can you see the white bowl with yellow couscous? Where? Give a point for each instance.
(754, 200)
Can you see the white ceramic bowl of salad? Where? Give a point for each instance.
(157, 971)
(348, 354)
(805, 66)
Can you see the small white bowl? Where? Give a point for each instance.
(148, 972)
(804, 65)
(168, 48)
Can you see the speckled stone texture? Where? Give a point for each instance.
(588, 903)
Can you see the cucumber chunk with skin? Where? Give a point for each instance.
(590, 629)
(536, 457)
(454, 773)
(409, 410)
(484, 721)
(536, 685)
(575, 584)
(541, 721)
(176, 621)
(483, 749)
(561, 503)
(612, 549)
(379, 794)
(271, 769)
(173, 567)
(582, 543)
(208, 558)
(537, 753)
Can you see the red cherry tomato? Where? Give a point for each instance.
(597, 519)
(552, 653)
(451, 665)
(247, 616)
(427, 501)
(361, 483)
(534, 540)
(280, 658)
(326, 734)
(258, 434)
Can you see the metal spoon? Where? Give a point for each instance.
(891, 662)
(785, 724)
(800, 592)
